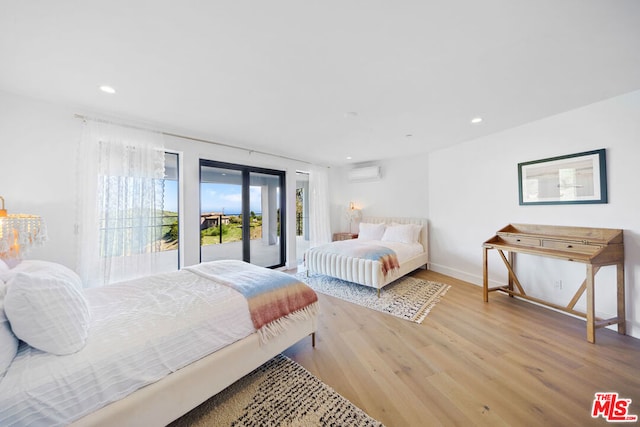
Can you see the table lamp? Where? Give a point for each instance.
(354, 214)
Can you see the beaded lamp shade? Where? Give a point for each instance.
(19, 232)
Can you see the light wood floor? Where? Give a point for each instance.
(507, 362)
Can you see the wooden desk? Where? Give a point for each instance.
(594, 247)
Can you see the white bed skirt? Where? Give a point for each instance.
(169, 398)
(367, 272)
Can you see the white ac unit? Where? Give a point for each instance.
(368, 173)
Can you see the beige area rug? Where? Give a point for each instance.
(409, 298)
(279, 393)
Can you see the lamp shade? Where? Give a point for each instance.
(20, 232)
(355, 214)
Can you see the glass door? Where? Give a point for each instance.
(241, 209)
(264, 193)
(220, 213)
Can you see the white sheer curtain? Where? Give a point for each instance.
(120, 191)
(319, 211)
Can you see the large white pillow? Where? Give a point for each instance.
(403, 233)
(47, 312)
(416, 229)
(8, 341)
(370, 231)
(47, 268)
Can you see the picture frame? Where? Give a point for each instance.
(579, 178)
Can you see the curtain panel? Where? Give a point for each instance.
(319, 211)
(120, 202)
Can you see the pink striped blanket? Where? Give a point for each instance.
(274, 298)
(365, 250)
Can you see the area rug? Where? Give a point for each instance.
(279, 393)
(409, 298)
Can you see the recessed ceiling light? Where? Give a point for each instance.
(348, 157)
(107, 89)
(476, 120)
(408, 135)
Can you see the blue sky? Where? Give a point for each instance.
(171, 195)
(227, 197)
(215, 197)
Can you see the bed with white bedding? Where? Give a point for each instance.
(152, 348)
(385, 250)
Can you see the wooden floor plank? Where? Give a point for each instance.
(505, 362)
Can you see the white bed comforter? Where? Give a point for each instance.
(139, 334)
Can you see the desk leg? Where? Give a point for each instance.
(512, 263)
(622, 318)
(485, 276)
(591, 330)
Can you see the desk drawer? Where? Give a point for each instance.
(569, 246)
(521, 241)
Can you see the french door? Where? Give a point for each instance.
(241, 209)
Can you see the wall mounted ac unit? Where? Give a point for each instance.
(368, 173)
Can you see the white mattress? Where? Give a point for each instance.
(139, 334)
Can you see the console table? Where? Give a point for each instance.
(594, 247)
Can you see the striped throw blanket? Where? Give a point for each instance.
(274, 298)
(365, 250)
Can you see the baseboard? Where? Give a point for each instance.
(459, 274)
(633, 328)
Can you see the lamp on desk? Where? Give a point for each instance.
(18, 233)
(354, 214)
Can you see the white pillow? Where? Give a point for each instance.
(370, 231)
(47, 268)
(47, 312)
(3, 266)
(416, 229)
(8, 341)
(399, 233)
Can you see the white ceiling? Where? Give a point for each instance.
(281, 76)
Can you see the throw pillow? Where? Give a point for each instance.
(47, 312)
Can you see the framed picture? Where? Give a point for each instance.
(572, 179)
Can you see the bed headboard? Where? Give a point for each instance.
(424, 233)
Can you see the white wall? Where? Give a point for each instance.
(38, 144)
(402, 191)
(37, 169)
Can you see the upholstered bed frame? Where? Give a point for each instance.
(169, 398)
(367, 272)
